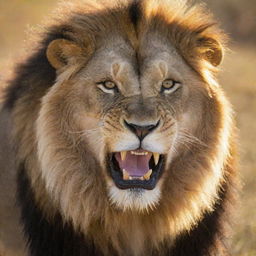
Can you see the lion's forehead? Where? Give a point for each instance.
(150, 53)
(137, 70)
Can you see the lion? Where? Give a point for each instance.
(116, 138)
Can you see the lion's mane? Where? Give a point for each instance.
(64, 203)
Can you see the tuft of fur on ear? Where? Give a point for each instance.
(211, 50)
(62, 52)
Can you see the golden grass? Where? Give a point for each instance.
(238, 78)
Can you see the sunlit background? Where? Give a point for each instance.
(238, 77)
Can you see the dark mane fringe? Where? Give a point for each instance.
(34, 73)
(62, 241)
(211, 235)
(135, 12)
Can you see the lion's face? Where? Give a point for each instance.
(131, 111)
(133, 137)
(134, 134)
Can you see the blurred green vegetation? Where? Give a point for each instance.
(237, 77)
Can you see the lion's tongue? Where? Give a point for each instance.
(135, 165)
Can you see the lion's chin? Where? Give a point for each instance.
(134, 199)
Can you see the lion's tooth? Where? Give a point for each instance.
(148, 174)
(156, 158)
(126, 175)
(123, 155)
(144, 153)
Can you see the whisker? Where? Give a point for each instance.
(188, 139)
(87, 134)
(85, 130)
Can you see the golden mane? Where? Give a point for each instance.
(62, 179)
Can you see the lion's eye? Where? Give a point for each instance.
(169, 86)
(107, 86)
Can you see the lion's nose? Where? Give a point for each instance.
(141, 130)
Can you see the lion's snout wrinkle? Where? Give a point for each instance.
(142, 112)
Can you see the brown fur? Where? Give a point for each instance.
(64, 128)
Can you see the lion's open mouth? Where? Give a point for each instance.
(136, 169)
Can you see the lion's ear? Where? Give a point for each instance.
(211, 50)
(61, 52)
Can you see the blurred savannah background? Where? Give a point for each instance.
(18, 18)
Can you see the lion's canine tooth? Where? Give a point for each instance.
(156, 158)
(148, 174)
(123, 155)
(126, 175)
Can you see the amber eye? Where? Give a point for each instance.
(107, 86)
(169, 86)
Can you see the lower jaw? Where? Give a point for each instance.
(149, 185)
(138, 200)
